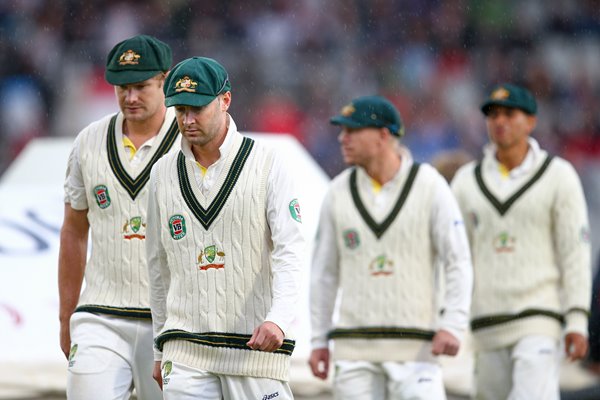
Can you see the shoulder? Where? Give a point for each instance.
(465, 172)
(342, 178)
(98, 127)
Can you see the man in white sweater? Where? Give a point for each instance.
(106, 332)
(225, 249)
(385, 222)
(527, 223)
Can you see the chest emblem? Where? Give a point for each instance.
(211, 257)
(381, 265)
(102, 197)
(177, 226)
(134, 229)
(504, 243)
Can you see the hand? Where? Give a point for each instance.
(266, 337)
(319, 362)
(157, 374)
(576, 346)
(444, 343)
(65, 338)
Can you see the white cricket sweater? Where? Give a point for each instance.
(530, 249)
(116, 275)
(386, 274)
(217, 278)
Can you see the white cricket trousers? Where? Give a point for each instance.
(362, 380)
(528, 370)
(109, 357)
(181, 382)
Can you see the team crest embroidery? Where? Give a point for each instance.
(177, 226)
(72, 355)
(351, 239)
(167, 368)
(381, 265)
(102, 197)
(295, 210)
(186, 84)
(129, 57)
(348, 110)
(504, 243)
(500, 94)
(134, 229)
(211, 257)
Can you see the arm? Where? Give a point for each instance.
(73, 245)
(159, 277)
(571, 241)
(324, 283)
(287, 258)
(71, 267)
(452, 247)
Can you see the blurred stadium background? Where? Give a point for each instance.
(293, 64)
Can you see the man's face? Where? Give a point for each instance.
(201, 125)
(360, 145)
(509, 127)
(141, 100)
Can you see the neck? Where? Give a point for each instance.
(383, 169)
(512, 157)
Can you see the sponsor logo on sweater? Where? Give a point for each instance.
(381, 265)
(177, 226)
(211, 257)
(504, 243)
(102, 197)
(351, 239)
(134, 229)
(295, 210)
(270, 396)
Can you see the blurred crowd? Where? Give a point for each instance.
(293, 64)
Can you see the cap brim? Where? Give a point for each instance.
(485, 108)
(345, 121)
(128, 77)
(188, 99)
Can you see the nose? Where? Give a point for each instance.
(131, 96)
(187, 117)
(342, 136)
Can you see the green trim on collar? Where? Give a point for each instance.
(504, 207)
(134, 186)
(379, 229)
(208, 215)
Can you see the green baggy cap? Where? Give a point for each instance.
(137, 59)
(513, 96)
(370, 111)
(195, 82)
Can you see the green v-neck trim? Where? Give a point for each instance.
(131, 185)
(208, 215)
(503, 207)
(379, 229)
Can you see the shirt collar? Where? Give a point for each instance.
(533, 157)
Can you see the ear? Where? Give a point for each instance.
(532, 122)
(226, 101)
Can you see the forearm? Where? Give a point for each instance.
(71, 267)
